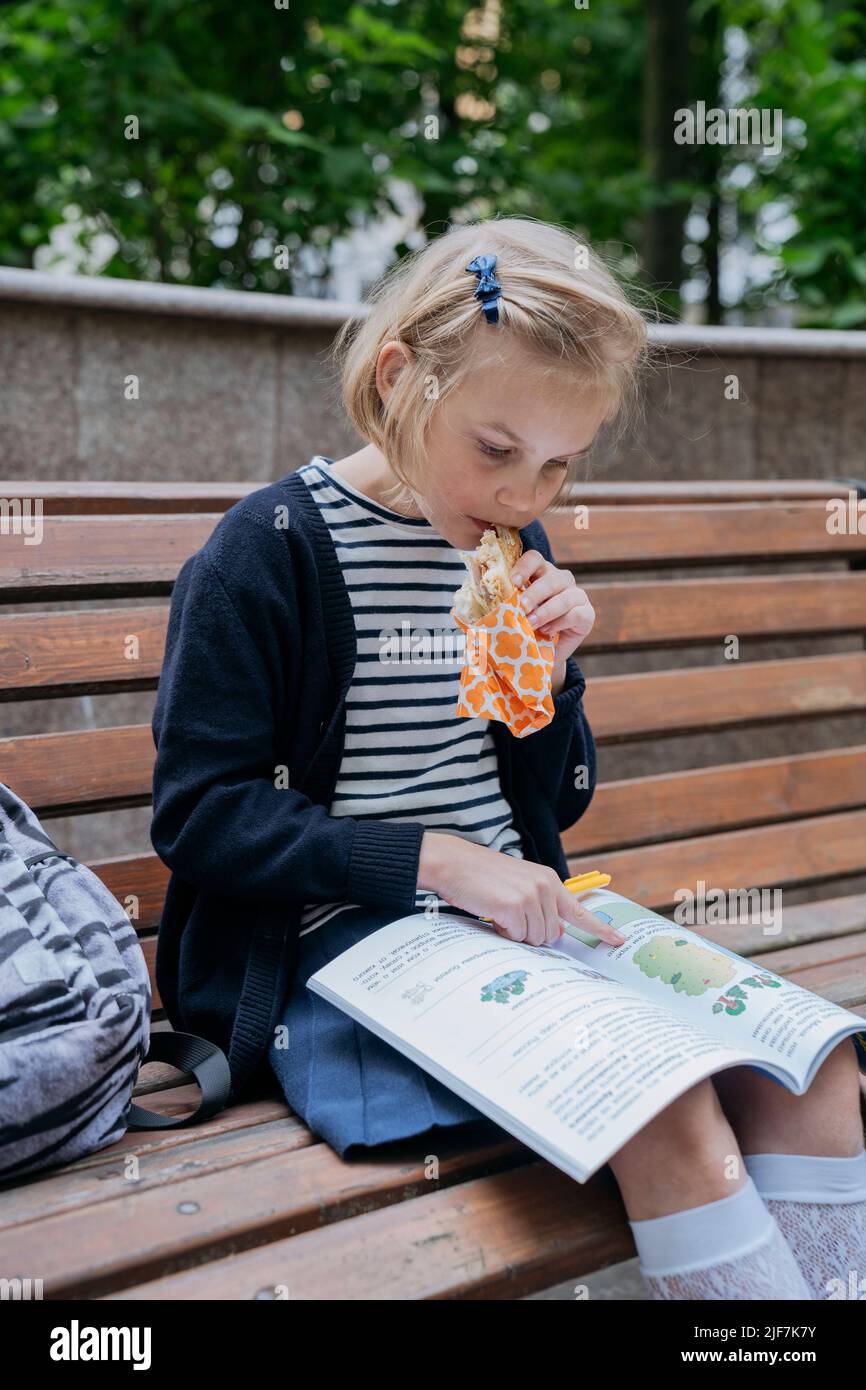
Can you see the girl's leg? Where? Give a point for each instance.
(701, 1228)
(826, 1120)
(806, 1157)
(685, 1156)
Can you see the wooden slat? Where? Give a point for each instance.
(121, 556)
(815, 849)
(822, 920)
(100, 769)
(624, 537)
(54, 654)
(90, 1179)
(62, 497)
(148, 949)
(46, 655)
(821, 923)
(662, 704)
(670, 806)
(723, 490)
(81, 770)
(817, 921)
(832, 967)
(143, 876)
(101, 556)
(251, 1185)
(70, 498)
(835, 969)
(643, 615)
(497, 1237)
(49, 655)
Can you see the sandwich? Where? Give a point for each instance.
(489, 566)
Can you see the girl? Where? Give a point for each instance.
(489, 360)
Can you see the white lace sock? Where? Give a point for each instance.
(728, 1249)
(820, 1205)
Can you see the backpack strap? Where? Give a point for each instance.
(191, 1054)
(223, 1079)
(46, 854)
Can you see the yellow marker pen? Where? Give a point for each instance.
(596, 879)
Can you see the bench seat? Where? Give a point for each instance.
(251, 1204)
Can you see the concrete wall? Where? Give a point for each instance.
(237, 385)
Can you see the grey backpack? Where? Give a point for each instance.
(75, 1005)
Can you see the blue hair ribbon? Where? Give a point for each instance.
(488, 288)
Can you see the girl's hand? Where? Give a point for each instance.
(553, 603)
(524, 900)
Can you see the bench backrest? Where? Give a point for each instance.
(789, 821)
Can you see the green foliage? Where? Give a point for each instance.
(261, 127)
(217, 156)
(809, 59)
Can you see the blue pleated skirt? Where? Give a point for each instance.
(349, 1086)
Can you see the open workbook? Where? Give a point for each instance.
(574, 1047)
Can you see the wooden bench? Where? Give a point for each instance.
(251, 1203)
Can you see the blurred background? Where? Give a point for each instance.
(297, 149)
(199, 196)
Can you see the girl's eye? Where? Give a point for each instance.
(492, 452)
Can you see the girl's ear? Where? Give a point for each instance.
(393, 357)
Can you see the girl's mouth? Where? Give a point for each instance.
(482, 525)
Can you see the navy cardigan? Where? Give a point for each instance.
(248, 727)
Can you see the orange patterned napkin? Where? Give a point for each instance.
(507, 669)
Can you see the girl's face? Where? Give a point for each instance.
(497, 446)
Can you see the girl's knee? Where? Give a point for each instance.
(842, 1063)
(692, 1113)
(692, 1124)
(838, 1081)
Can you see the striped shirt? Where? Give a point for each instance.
(406, 755)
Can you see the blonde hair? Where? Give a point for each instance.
(559, 299)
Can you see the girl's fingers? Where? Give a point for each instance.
(529, 564)
(541, 586)
(558, 606)
(587, 921)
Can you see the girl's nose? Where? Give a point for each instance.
(518, 501)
